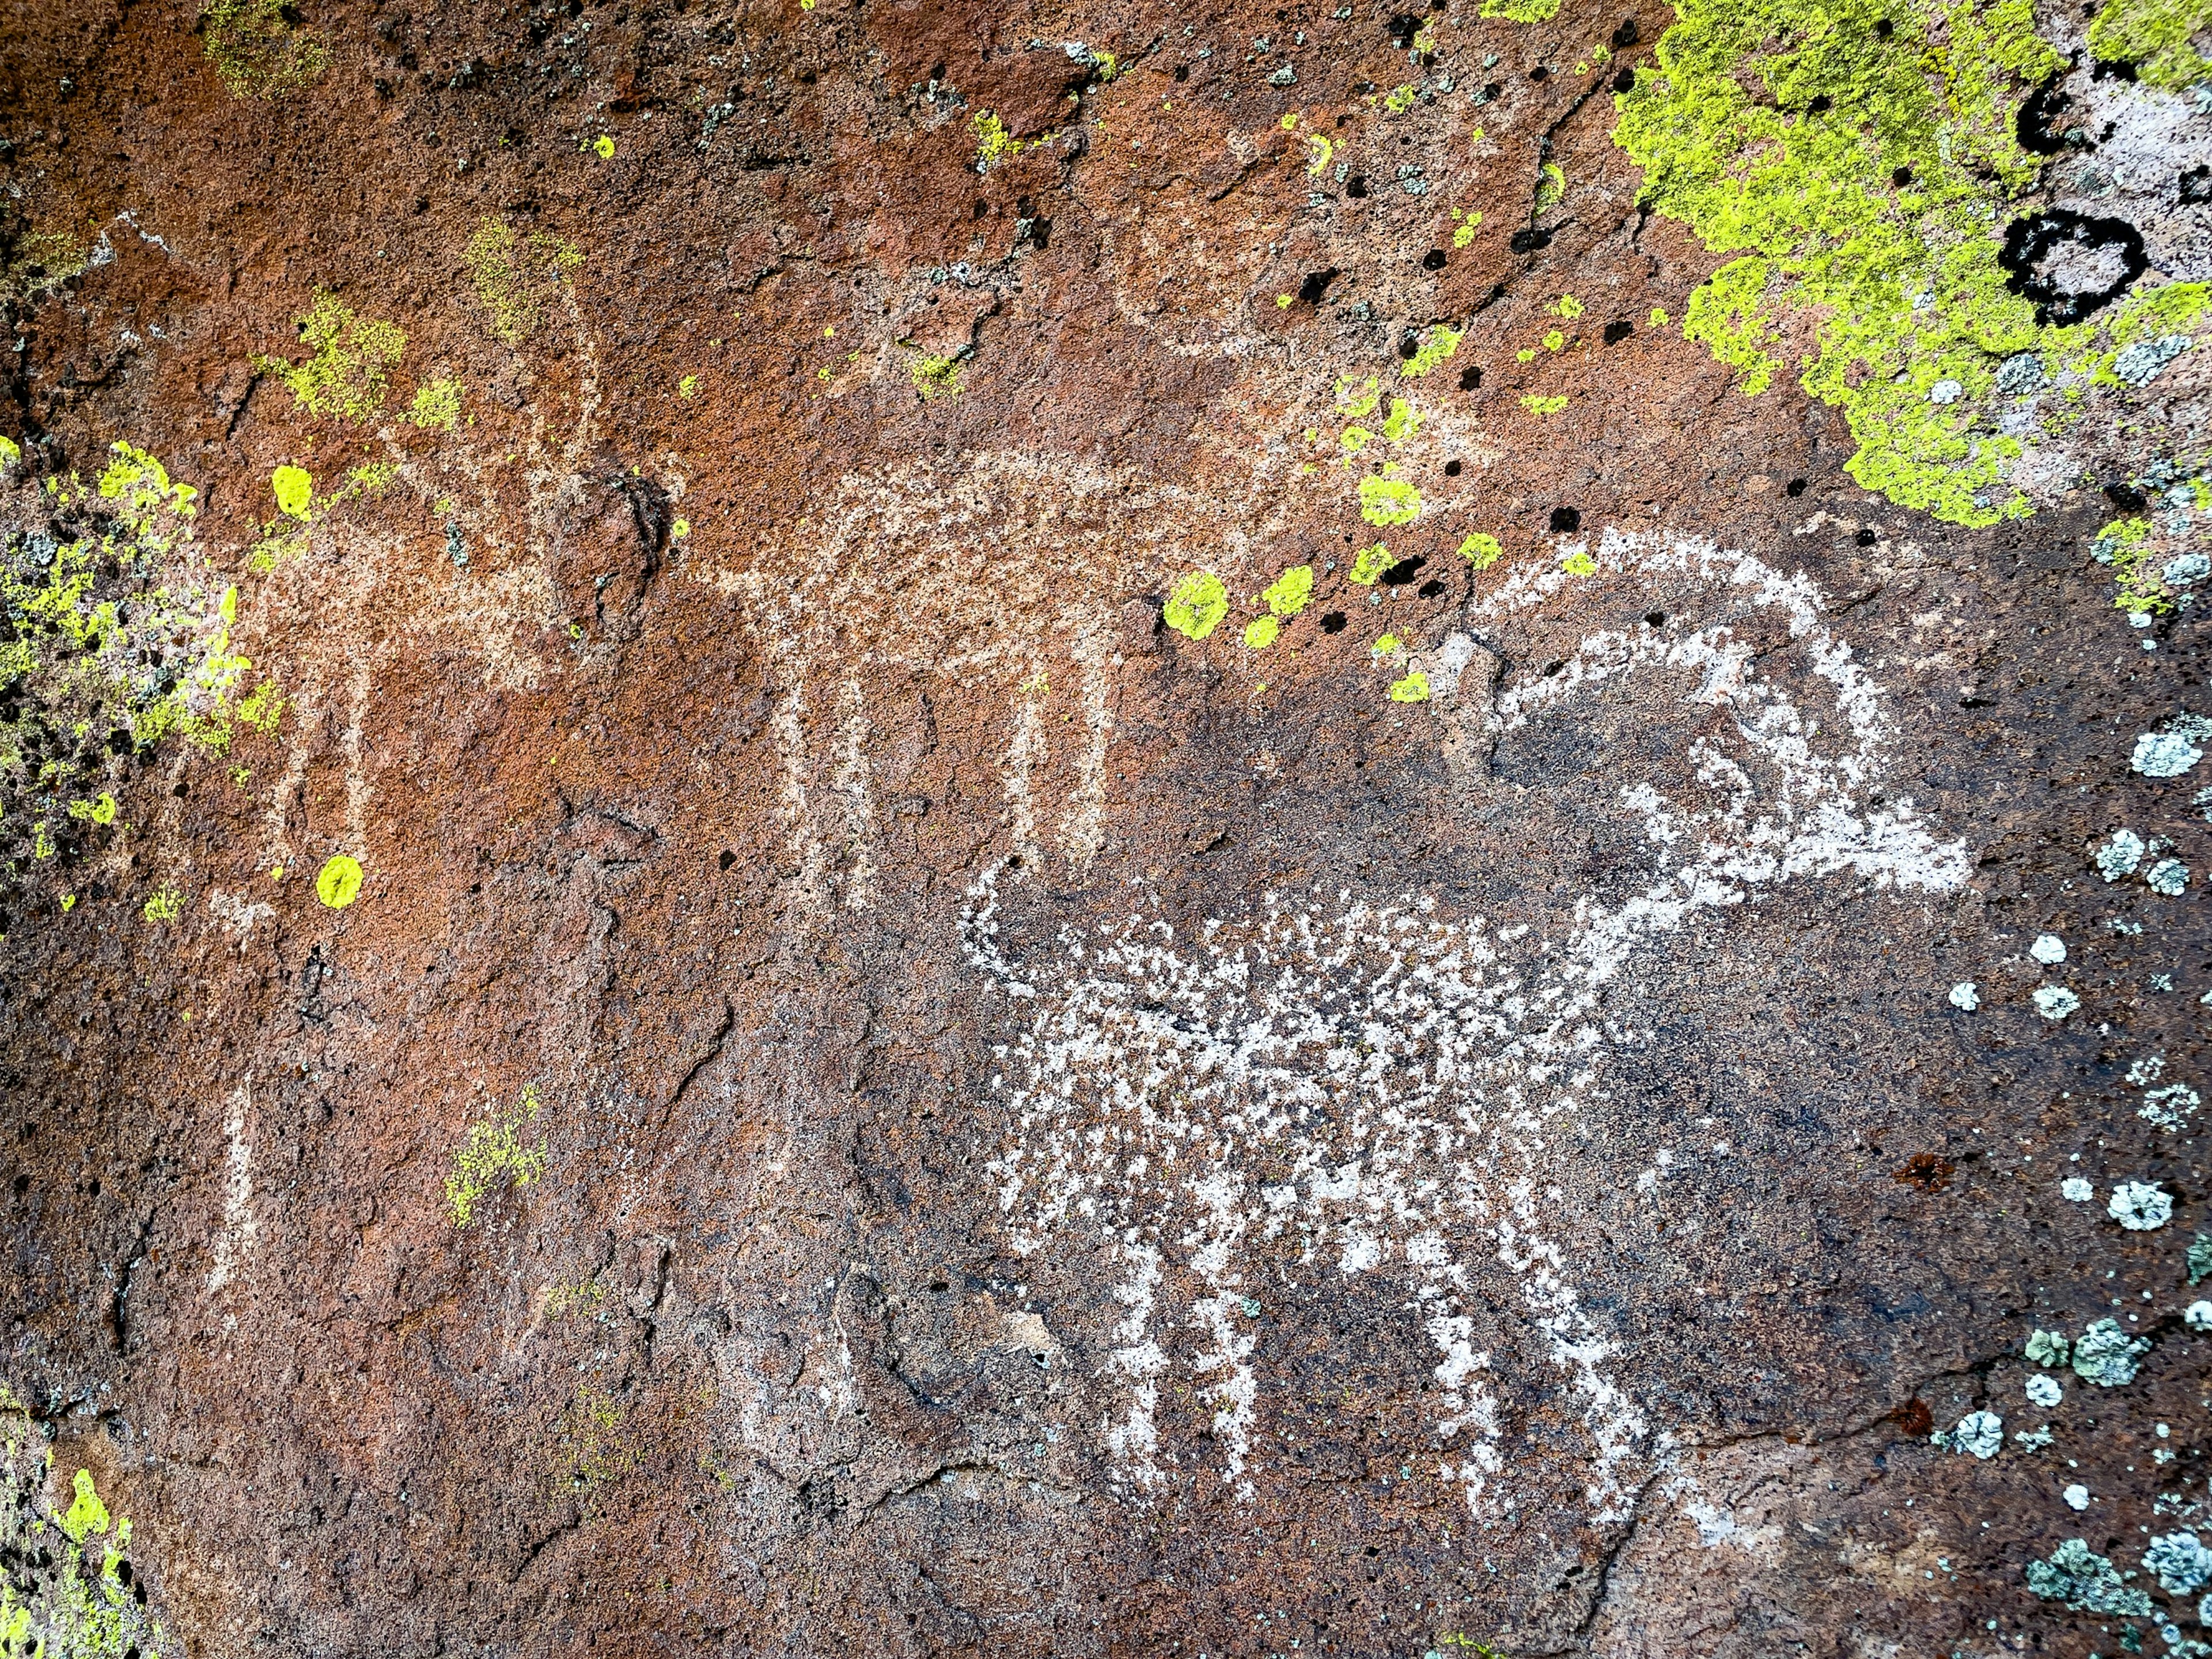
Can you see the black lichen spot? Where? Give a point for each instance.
(1627, 34)
(1333, 623)
(1433, 259)
(1356, 186)
(1451, 468)
(2054, 257)
(1183, 72)
(1401, 573)
(1529, 240)
(1616, 331)
(1316, 284)
(1409, 346)
(1403, 28)
(1864, 538)
(1540, 74)
(1795, 488)
(2038, 125)
(1820, 105)
(727, 859)
(1901, 177)
(1655, 618)
(1566, 520)
(1625, 81)
(1883, 29)
(2197, 185)
(1430, 589)
(1469, 378)
(2125, 496)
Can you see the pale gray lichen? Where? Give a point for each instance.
(2054, 1001)
(2167, 877)
(2140, 363)
(2086, 1582)
(2076, 1189)
(2106, 1355)
(2120, 855)
(2170, 1108)
(2047, 1348)
(1981, 1434)
(2022, 372)
(2049, 950)
(2179, 1562)
(1966, 995)
(2198, 1258)
(2043, 1391)
(2140, 1207)
(2198, 1315)
(2186, 569)
(2164, 754)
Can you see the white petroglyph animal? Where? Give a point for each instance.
(1384, 1082)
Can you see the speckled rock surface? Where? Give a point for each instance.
(902, 828)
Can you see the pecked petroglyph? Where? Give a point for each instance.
(1387, 1082)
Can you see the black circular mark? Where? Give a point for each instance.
(1409, 346)
(1566, 520)
(1820, 105)
(1884, 29)
(1333, 623)
(1625, 81)
(2196, 185)
(1540, 73)
(727, 859)
(1615, 332)
(1433, 259)
(1655, 618)
(1529, 240)
(2033, 242)
(2038, 125)
(1901, 177)
(1865, 538)
(1796, 487)
(1627, 34)
(1401, 573)
(1469, 378)
(1430, 588)
(1356, 186)
(1451, 468)
(1183, 72)
(1316, 284)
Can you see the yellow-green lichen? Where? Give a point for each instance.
(516, 277)
(936, 376)
(86, 1513)
(492, 1155)
(1413, 688)
(1537, 404)
(260, 49)
(2127, 546)
(337, 884)
(1522, 11)
(68, 1592)
(1370, 562)
(114, 640)
(1403, 421)
(993, 143)
(1860, 159)
(2158, 37)
(351, 360)
(164, 904)
(1261, 632)
(1357, 399)
(1579, 564)
(1385, 500)
(437, 405)
(1441, 343)
(1480, 551)
(295, 489)
(1196, 607)
(1289, 592)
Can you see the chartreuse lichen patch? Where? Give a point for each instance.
(260, 49)
(936, 376)
(1860, 160)
(70, 1591)
(111, 640)
(349, 362)
(516, 277)
(492, 1155)
(1196, 607)
(338, 882)
(295, 489)
(1480, 551)
(437, 405)
(2157, 37)
(1385, 500)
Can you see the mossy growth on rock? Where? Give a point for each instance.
(350, 360)
(259, 50)
(2156, 38)
(1861, 158)
(113, 636)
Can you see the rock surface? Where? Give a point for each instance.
(925, 1048)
